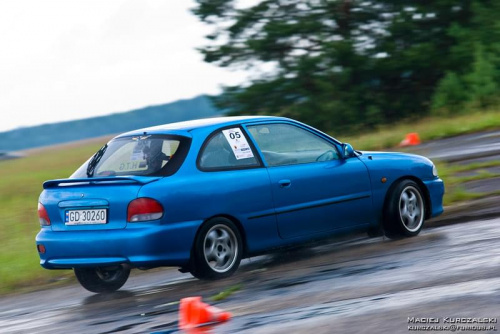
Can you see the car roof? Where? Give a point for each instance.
(183, 128)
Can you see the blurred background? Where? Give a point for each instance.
(75, 73)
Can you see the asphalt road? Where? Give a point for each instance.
(465, 148)
(354, 285)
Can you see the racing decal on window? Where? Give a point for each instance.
(136, 161)
(238, 143)
(136, 156)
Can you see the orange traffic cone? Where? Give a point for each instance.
(411, 139)
(193, 312)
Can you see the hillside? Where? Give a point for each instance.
(56, 133)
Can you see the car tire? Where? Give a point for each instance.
(404, 212)
(102, 280)
(217, 250)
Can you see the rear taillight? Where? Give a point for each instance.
(41, 249)
(43, 215)
(144, 209)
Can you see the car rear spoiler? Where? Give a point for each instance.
(98, 180)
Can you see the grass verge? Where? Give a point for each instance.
(454, 183)
(20, 185)
(226, 293)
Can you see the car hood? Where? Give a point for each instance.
(395, 156)
(398, 164)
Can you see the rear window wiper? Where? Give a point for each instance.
(95, 160)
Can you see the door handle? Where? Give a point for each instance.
(285, 183)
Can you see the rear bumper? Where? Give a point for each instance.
(436, 193)
(139, 245)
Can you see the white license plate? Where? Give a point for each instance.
(82, 217)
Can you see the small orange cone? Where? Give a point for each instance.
(411, 139)
(193, 312)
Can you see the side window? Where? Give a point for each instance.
(285, 144)
(227, 149)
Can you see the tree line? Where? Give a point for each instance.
(348, 65)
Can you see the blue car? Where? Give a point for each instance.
(201, 195)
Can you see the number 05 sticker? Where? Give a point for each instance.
(238, 143)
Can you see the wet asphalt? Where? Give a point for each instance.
(352, 284)
(467, 148)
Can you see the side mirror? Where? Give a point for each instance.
(347, 151)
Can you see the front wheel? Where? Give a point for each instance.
(217, 250)
(405, 210)
(102, 279)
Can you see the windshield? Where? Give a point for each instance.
(148, 155)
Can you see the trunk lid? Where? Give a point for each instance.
(66, 197)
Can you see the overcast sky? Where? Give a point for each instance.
(62, 60)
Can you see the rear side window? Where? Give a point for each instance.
(149, 155)
(227, 149)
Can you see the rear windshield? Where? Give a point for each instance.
(148, 155)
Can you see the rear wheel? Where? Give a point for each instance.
(217, 250)
(405, 210)
(102, 279)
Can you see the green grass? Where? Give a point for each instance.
(21, 183)
(226, 293)
(475, 166)
(454, 184)
(481, 175)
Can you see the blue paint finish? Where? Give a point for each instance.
(436, 192)
(240, 194)
(272, 206)
(113, 197)
(145, 244)
(395, 167)
(84, 203)
(320, 196)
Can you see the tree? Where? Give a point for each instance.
(450, 96)
(473, 61)
(338, 64)
(483, 87)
